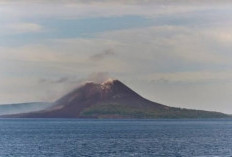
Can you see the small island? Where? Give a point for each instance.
(112, 99)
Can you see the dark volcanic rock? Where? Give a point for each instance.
(112, 99)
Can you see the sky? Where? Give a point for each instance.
(178, 53)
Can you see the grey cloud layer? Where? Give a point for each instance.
(14, 10)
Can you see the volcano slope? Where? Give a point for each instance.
(112, 99)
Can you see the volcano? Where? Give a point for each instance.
(112, 99)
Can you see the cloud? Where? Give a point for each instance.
(57, 19)
(25, 27)
(21, 27)
(105, 54)
(162, 48)
(122, 2)
(55, 81)
(192, 77)
(82, 9)
(98, 77)
(174, 44)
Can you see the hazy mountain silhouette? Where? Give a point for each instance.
(23, 107)
(112, 99)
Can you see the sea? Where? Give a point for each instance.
(115, 138)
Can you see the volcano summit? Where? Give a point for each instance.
(112, 99)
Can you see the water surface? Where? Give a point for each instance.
(73, 137)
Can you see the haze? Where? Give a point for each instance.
(175, 53)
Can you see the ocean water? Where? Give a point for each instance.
(119, 138)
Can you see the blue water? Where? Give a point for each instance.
(72, 137)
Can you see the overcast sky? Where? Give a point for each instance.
(178, 53)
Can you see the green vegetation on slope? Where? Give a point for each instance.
(129, 111)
